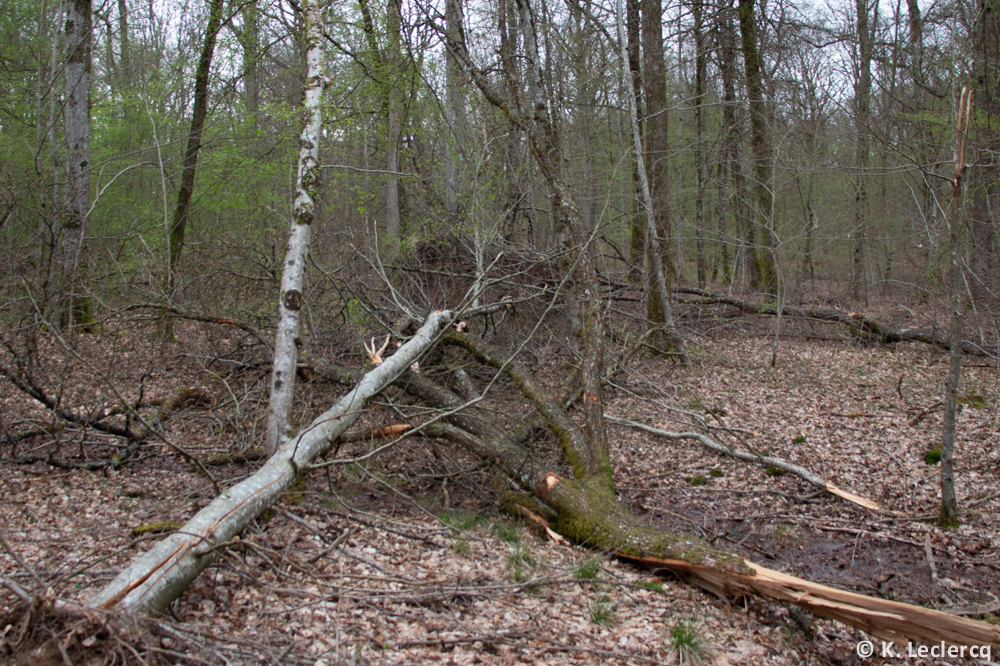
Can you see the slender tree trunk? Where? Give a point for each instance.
(947, 516)
(199, 113)
(249, 38)
(862, 120)
(658, 289)
(700, 59)
(124, 43)
(985, 251)
(765, 242)
(634, 48)
(279, 423)
(77, 307)
(161, 574)
(454, 106)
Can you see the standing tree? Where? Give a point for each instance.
(764, 242)
(949, 503)
(178, 225)
(985, 253)
(279, 426)
(867, 22)
(76, 309)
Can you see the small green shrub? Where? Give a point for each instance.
(509, 532)
(687, 643)
(520, 562)
(463, 520)
(717, 473)
(776, 471)
(799, 439)
(932, 457)
(974, 401)
(602, 611)
(588, 570)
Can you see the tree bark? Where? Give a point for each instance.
(947, 517)
(634, 48)
(765, 241)
(76, 311)
(700, 59)
(286, 344)
(391, 79)
(862, 120)
(985, 251)
(454, 107)
(160, 575)
(732, 141)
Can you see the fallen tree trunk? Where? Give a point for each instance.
(747, 456)
(856, 323)
(159, 576)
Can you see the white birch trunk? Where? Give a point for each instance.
(279, 427)
(159, 576)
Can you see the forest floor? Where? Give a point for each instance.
(405, 558)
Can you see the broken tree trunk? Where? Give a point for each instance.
(856, 323)
(587, 512)
(159, 576)
(887, 620)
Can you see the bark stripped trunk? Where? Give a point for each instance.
(279, 426)
(77, 310)
(178, 225)
(160, 575)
